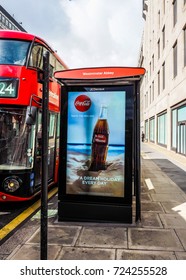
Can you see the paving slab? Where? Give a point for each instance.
(154, 173)
(152, 207)
(32, 252)
(153, 239)
(60, 235)
(19, 237)
(173, 221)
(181, 210)
(144, 255)
(176, 174)
(182, 236)
(144, 189)
(105, 237)
(168, 197)
(151, 220)
(180, 255)
(171, 206)
(3, 257)
(74, 253)
(166, 190)
(145, 197)
(162, 180)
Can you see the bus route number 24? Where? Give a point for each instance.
(7, 89)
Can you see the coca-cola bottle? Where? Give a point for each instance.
(100, 140)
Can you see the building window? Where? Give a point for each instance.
(146, 130)
(175, 60)
(163, 75)
(174, 129)
(152, 129)
(146, 100)
(162, 128)
(163, 37)
(146, 78)
(158, 48)
(184, 45)
(178, 132)
(174, 12)
(153, 91)
(159, 83)
(181, 148)
(164, 6)
(159, 18)
(182, 114)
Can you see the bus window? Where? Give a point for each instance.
(51, 145)
(16, 139)
(58, 126)
(52, 65)
(13, 52)
(51, 71)
(38, 149)
(51, 125)
(55, 65)
(39, 133)
(36, 57)
(59, 66)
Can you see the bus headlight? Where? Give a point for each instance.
(12, 183)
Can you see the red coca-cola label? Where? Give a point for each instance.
(100, 138)
(82, 103)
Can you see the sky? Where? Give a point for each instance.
(85, 33)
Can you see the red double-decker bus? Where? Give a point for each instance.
(21, 72)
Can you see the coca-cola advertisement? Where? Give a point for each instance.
(96, 142)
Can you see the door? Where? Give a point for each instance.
(51, 148)
(51, 145)
(38, 150)
(182, 138)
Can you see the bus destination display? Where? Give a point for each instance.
(8, 88)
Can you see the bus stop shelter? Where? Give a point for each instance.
(99, 169)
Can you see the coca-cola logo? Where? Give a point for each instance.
(82, 103)
(100, 138)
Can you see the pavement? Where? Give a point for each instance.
(161, 234)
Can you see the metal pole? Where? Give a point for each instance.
(44, 179)
(137, 152)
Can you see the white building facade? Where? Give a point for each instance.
(163, 88)
(8, 22)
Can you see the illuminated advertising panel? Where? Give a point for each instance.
(95, 152)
